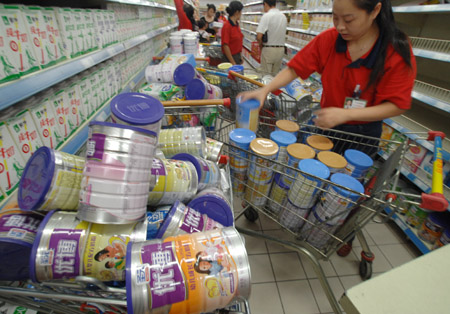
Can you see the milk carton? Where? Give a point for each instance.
(17, 54)
(8, 69)
(79, 30)
(118, 75)
(99, 25)
(95, 90)
(68, 31)
(107, 23)
(24, 133)
(39, 38)
(45, 120)
(87, 105)
(76, 114)
(111, 79)
(112, 25)
(11, 161)
(56, 45)
(102, 87)
(61, 107)
(90, 35)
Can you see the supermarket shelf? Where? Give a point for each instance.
(292, 47)
(250, 32)
(439, 56)
(144, 3)
(308, 11)
(252, 62)
(36, 82)
(298, 30)
(435, 8)
(252, 3)
(253, 23)
(436, 103)
(247, 47)
(411, 233)
(253, 13)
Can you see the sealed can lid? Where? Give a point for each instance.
(36, 179)
(214, 207)
(224, 66)
(319, 142)
(301, 151)
(288, 126)
(314, 167)
(252, 76)
(191, 158)
(349, 182)
(121, 126)
(237, 68)
(248, 104)
(167, 220)
(242, 137)
(195, 89)
(137, 108)
(358, 158)
(332, 159)
(283, 138)
(264, 147)
(183, 74)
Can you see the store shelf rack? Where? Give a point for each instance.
(292, 47)
(434, 8)
(250, 32)
(248, 22)
(144, 3)
(303, 31)
(36, 82)
(252, 3)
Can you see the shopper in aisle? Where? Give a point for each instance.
(210, 18)
(271, 34)
(204, 35)
(365, 58)
(232, 37)
(185, 15)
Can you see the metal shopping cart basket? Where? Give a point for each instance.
(85, 294)
(318, 214)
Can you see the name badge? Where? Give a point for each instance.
(353, 103)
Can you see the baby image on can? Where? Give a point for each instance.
(190, 273)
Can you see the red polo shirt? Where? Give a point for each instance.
(328, 55)
(184, 22)
(232, 36)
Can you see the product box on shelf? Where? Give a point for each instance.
(102, 90)
(17, 55)
(60, 106)
(86, 95)
(54, 34)
(424, 172)
(100, 27)
(95, 89)
(38, 36)
(414, 156)
(79, 30)
(45, 120)
(68, 31)
(90, 36)
(76, 113)
(386, 134)
(25, 133)
(112, 26)
(12, 163)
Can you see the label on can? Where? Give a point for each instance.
(303, 192)
(333, 208)
(194, 221)
(18, 225)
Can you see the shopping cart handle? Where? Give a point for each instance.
(434, 201)
(197, 103)
(432, 135)
(227, 102)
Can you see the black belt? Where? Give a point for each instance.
(272, 46)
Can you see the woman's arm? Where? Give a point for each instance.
(282, 79)
(329, 117)
(228, 54)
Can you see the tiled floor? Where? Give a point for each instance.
(285, 282)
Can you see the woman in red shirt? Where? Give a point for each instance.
(185, 15)
(367, 69)
(232, 37)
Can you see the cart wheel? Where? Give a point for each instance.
(365, 269)
(251, 214)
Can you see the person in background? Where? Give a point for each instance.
(210, 18)
(185, 15)
(204, 35)
(273, 23)
(365, 58)
(232, 37)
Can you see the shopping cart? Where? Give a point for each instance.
(85, 294)
(308, 231)
(214, 52)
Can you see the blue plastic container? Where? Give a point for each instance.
(237, 68)
(247, 115)
(283, 139)
(358, 163)
(184, 74)
(242, 139)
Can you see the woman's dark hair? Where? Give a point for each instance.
(100, 253)
(389, 32)
(201, 23)
(233, 7)
(217, 15)
(211, 6)
(189, 10)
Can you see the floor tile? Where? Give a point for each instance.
(310, 273)
(268, 224)
(274, 247)
(384, 234)
(397, 254)
(380, 263)
(244, 223)
(264, 299)
(255, 245)
(287, 266)
(319, 293)
(297, 297)
(369, 239)
(348, 265)
(350, 281)
(261, 268)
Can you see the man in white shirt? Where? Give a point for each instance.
(274, 23)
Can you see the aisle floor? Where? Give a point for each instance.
(285, 282)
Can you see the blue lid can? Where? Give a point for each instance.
(237, 68)
(247, 115)
(242, 139)
(283, 139)
(358, 163)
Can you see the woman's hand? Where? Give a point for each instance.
(330, 117)
(259, 94)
